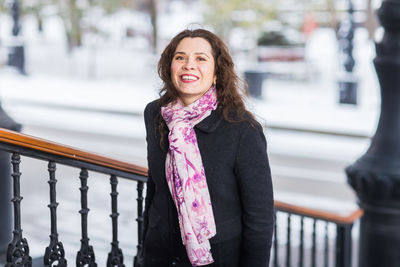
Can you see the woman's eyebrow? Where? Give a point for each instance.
(197, 53)
(201, 53)
(182, 53)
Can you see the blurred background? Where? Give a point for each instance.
(79, 58)
(80, 72)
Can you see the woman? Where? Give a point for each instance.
(209, 198)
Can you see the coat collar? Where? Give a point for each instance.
(210, 123)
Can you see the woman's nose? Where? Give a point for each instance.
(189, 64)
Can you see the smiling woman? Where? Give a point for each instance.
(209, 198)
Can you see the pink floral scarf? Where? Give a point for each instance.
(186, 178)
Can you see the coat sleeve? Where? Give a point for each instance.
(149, 197)
(139, 259)
(150, 187)
(254, 178)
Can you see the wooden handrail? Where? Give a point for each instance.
(338, 218)
(37, 144)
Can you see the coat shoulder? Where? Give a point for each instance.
(150, 117)
(246, 123)
(152, 109)
(250, 131)
(242, 120)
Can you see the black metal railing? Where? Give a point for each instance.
(312, 227)
(283, 253)
(18, 253)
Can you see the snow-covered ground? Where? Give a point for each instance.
(120, 74)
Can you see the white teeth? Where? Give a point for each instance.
(189, 77)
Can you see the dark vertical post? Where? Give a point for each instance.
(276, 254)
(343, 245)
(18, 249)
(288, 242)
(5, 204)
(301, 247)
(348, 81)
(85, 256)
(54, 253)
(115, 257)
(326, 246)
(5, 187)
(139, 220)
(375, 177)
(314, 244)
(16, 56)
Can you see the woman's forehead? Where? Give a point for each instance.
(195, 45)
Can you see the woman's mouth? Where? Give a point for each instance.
(188, 78)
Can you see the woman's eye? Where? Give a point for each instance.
(178, 58)
(201, 59)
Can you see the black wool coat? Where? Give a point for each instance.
(239, 181)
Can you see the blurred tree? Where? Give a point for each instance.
(35, 7)
(273, 38)
(223, 15)
(151, 7)
(112, 6)
(71, 15)
(73, 11)
(153, 16)
(333, 18)
(3, 5)
(371, 21)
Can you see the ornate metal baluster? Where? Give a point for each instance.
(18, 249)
(275, 243)
(85, 256)
(115, 257)
(326, 250)
(288, 244)
(301, 258)
(139, 221)
(314, 244)
(344, 245)
(54, 255)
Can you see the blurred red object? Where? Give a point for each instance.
(309, 25)
(280, 53)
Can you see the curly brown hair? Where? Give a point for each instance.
(230, 89)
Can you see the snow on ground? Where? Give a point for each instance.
(113, 75)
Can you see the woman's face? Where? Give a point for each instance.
(192, 68)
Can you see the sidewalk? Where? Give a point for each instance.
(125, 80)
